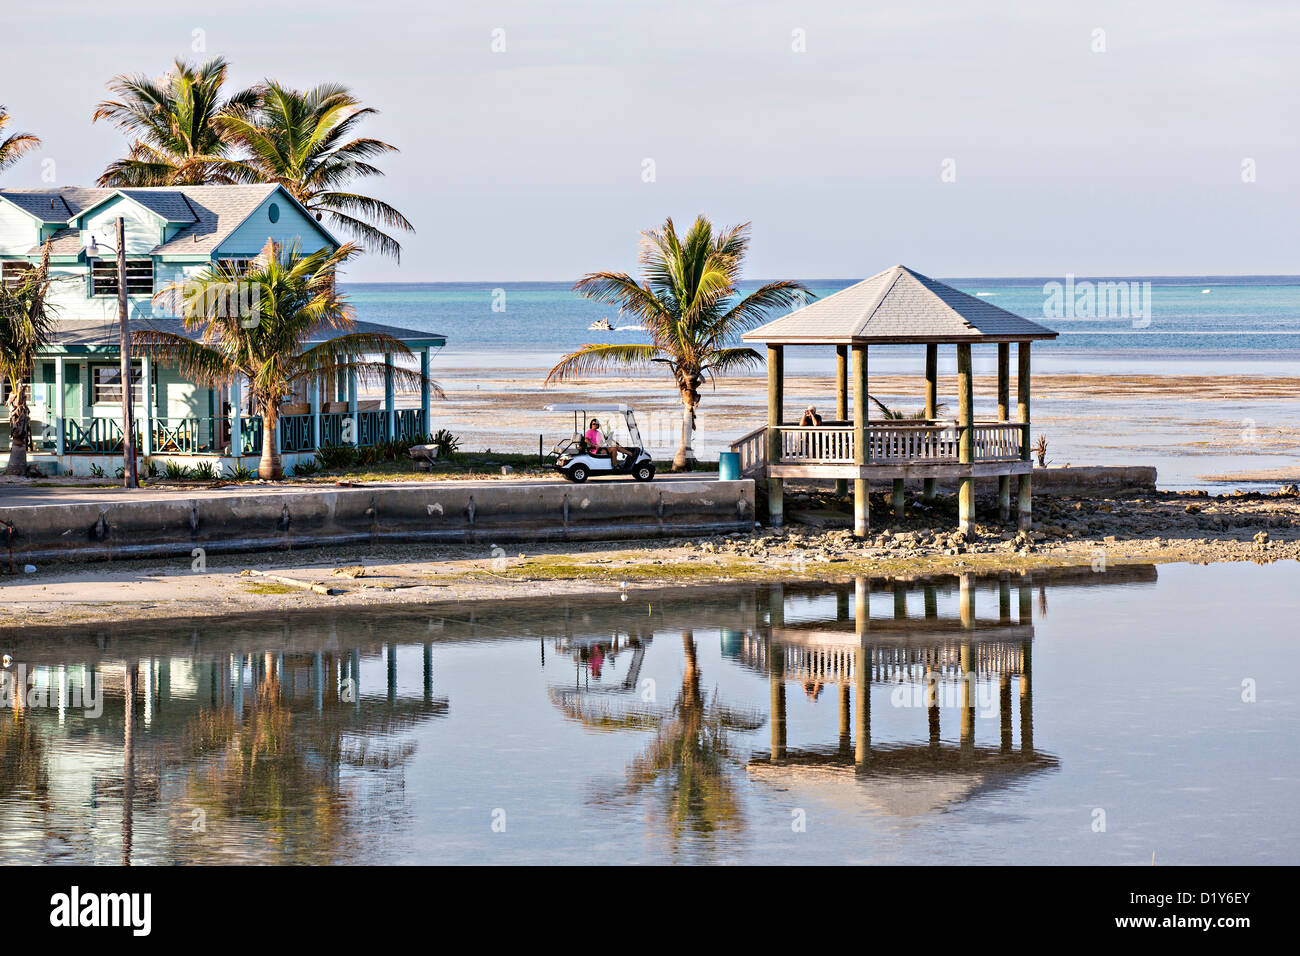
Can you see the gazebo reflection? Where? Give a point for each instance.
(917, 661)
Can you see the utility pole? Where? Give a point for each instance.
(130, 478)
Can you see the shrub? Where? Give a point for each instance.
(334, 457)
(305, 468)
(175, 471)
(205, 471)
(446, 443)
(240, 473)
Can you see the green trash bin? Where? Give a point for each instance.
(729, 466)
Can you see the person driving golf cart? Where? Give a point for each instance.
(594, 442)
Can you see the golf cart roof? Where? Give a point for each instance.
(587, 407)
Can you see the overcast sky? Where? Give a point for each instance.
(531, 163)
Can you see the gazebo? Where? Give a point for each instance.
(898, 307)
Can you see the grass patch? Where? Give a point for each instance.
(270, 587)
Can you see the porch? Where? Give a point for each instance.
(76, 408)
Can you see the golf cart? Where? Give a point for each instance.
(576, 460)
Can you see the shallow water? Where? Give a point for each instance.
(1104, 721)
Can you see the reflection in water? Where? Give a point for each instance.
(920, 661)
(691, 719)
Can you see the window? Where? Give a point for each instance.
(139, 277)
(5, 390)
(273, 213)
(238, 266)
(11, 273)
(106, 385)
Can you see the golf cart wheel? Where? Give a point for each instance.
(578, 473)
(644, 472)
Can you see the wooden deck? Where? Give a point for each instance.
(895, 449)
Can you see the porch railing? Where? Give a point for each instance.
(211, 435)
(891, 442)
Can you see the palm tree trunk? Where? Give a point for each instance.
(684, 460)
(20, 430)
(268, 466)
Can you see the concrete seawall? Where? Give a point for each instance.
(461, 512)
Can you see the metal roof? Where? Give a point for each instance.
(898, 305)
(98, 335)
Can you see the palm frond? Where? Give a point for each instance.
(599, 359)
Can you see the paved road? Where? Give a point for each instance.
(19, 495)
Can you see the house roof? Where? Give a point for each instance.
(104, 335)
(898, 305)
(207, 215)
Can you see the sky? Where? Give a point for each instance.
(960, 138)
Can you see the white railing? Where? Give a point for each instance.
(887, 443)
(998, 441)
(752, 448)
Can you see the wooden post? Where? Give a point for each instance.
(967, 600)
(236, 426)
(862, 671)
(425, 427)
(775, 401)
(1025, 503)
(129, 472)
(60, 407)
(1026, 703)
(967, 700)
(390, 399)
(966, 446)
(315, 387)
(861, 503)
(841, 401)
(776, 671)
(931, 406)
(147, 397)
(1004, 414)
(352, 408)
(898, 499)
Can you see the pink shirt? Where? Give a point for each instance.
(594, 437)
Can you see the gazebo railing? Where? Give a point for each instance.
(888, 442)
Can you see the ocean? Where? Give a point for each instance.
(1222, 324)
(1147, 372)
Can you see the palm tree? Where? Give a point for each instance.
(688, 303)
(304, 141)
(289, 299)
(176, 143)
(13, 147)
(26, 327)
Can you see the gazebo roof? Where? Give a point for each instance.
(898, 306)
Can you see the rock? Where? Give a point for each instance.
(29, 569)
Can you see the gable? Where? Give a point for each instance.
(292, 223)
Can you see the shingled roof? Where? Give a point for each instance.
(898, 306)
(207, 214)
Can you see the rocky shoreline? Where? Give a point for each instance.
(1160, 527)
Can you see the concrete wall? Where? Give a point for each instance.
(467, 512)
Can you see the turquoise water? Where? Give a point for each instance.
(1130, 716)
(1192, 319)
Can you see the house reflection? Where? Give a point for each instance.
(211, 751)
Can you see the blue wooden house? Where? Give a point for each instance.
(172, 234)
